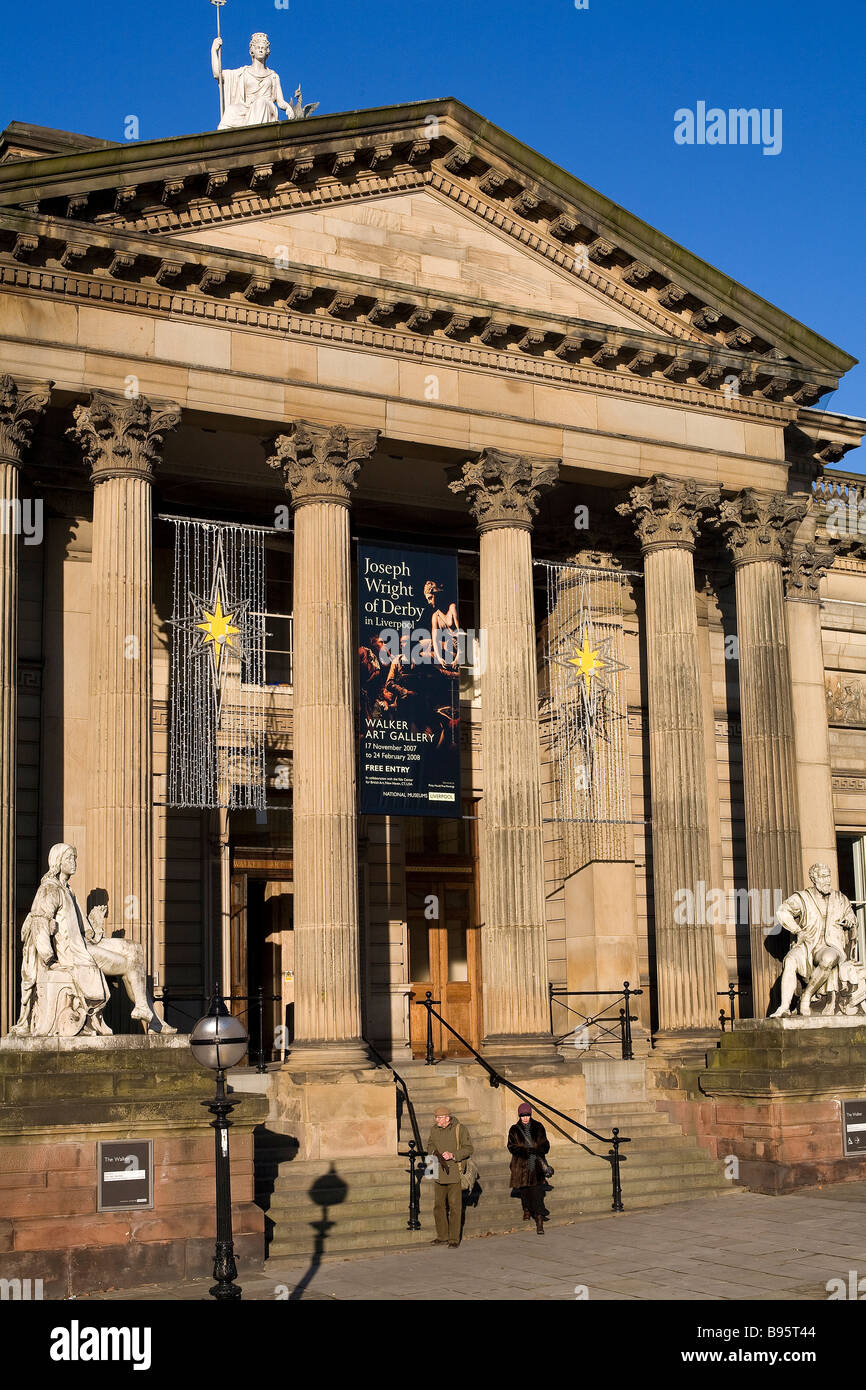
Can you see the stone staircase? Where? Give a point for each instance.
(346, 1206)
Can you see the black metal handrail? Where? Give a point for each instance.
(614, 1158)
(733, 992)
(626, 1017)
(170, 996)
(416, 1155)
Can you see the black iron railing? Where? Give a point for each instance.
(614, 1157)
(609, 1028)
(416, 1153)
(733, 992)
(167, 995)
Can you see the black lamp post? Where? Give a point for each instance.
(219, 1041)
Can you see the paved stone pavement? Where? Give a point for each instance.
(739, 1245)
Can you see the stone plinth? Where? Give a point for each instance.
(56, 1103)
(335, 1114)
(771, 1097)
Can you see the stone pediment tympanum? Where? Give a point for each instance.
(421, 218)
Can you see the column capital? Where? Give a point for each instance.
(807, 565)
(667, 511)
(320, 463)
(502, 488)
(760, 525)
(22, 401)
(122, 438)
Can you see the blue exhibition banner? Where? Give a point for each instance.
(410, 649)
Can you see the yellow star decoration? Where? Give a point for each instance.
(587, 661)
(218, 629)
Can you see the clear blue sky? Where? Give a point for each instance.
(594, 89)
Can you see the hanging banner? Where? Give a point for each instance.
(217, 731)
(409, 652)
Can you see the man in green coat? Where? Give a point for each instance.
(448, 1146)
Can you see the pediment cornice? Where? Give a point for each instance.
(168, 186)
(104, 263)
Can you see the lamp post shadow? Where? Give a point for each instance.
(327, 1191)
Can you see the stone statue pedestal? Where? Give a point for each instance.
(770, 1096)
(794, 1023)
(59, 1097)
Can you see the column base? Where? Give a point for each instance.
(521, 1050)
(344, 1054)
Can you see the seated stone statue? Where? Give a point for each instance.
(823, 925)
(65, 963)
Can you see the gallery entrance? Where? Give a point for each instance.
(262, 951)
(445, 958)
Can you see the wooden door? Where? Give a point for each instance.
(444, 957)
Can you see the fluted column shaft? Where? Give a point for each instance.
(120, 754)
(319, 465)
(502, 490)
(512, 851)
(20, 402)
(685, 950)
(327, 1000)
(667, 513)
(809, 696)
(759, 528)
(769, 758)
(122, 441)
(8, 737)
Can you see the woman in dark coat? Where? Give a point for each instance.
(528, 1144)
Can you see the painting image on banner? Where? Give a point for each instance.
(409, 667)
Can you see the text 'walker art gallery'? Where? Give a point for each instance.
(432, 696)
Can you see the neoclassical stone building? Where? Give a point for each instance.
(404, 325)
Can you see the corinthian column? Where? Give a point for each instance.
(320, 464)
(807, 566)
(121, 441)
(21, 402)
(667, 514)
(502, 490)
(758, 529)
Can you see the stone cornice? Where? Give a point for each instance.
(179, 278)
(441, 134)
(667, 511)
(760, 526)
(502, 488)
(22, 401)
(122, 438)
(320, 463)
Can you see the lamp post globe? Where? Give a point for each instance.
(219, 1041)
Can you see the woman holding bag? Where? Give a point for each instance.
(528, 1144)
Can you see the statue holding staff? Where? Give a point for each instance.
(251, 95)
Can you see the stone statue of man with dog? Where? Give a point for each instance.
(66, 960)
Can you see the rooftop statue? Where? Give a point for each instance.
(824, 951)
(66, 960)
(253, 95)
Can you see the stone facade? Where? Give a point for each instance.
(447, 342)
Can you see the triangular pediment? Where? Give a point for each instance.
(427, 204)
(423, 241)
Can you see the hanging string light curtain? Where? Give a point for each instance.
(583, 708)
(217, 730)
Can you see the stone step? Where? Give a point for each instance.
(383, 1191)
(341, 1244)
